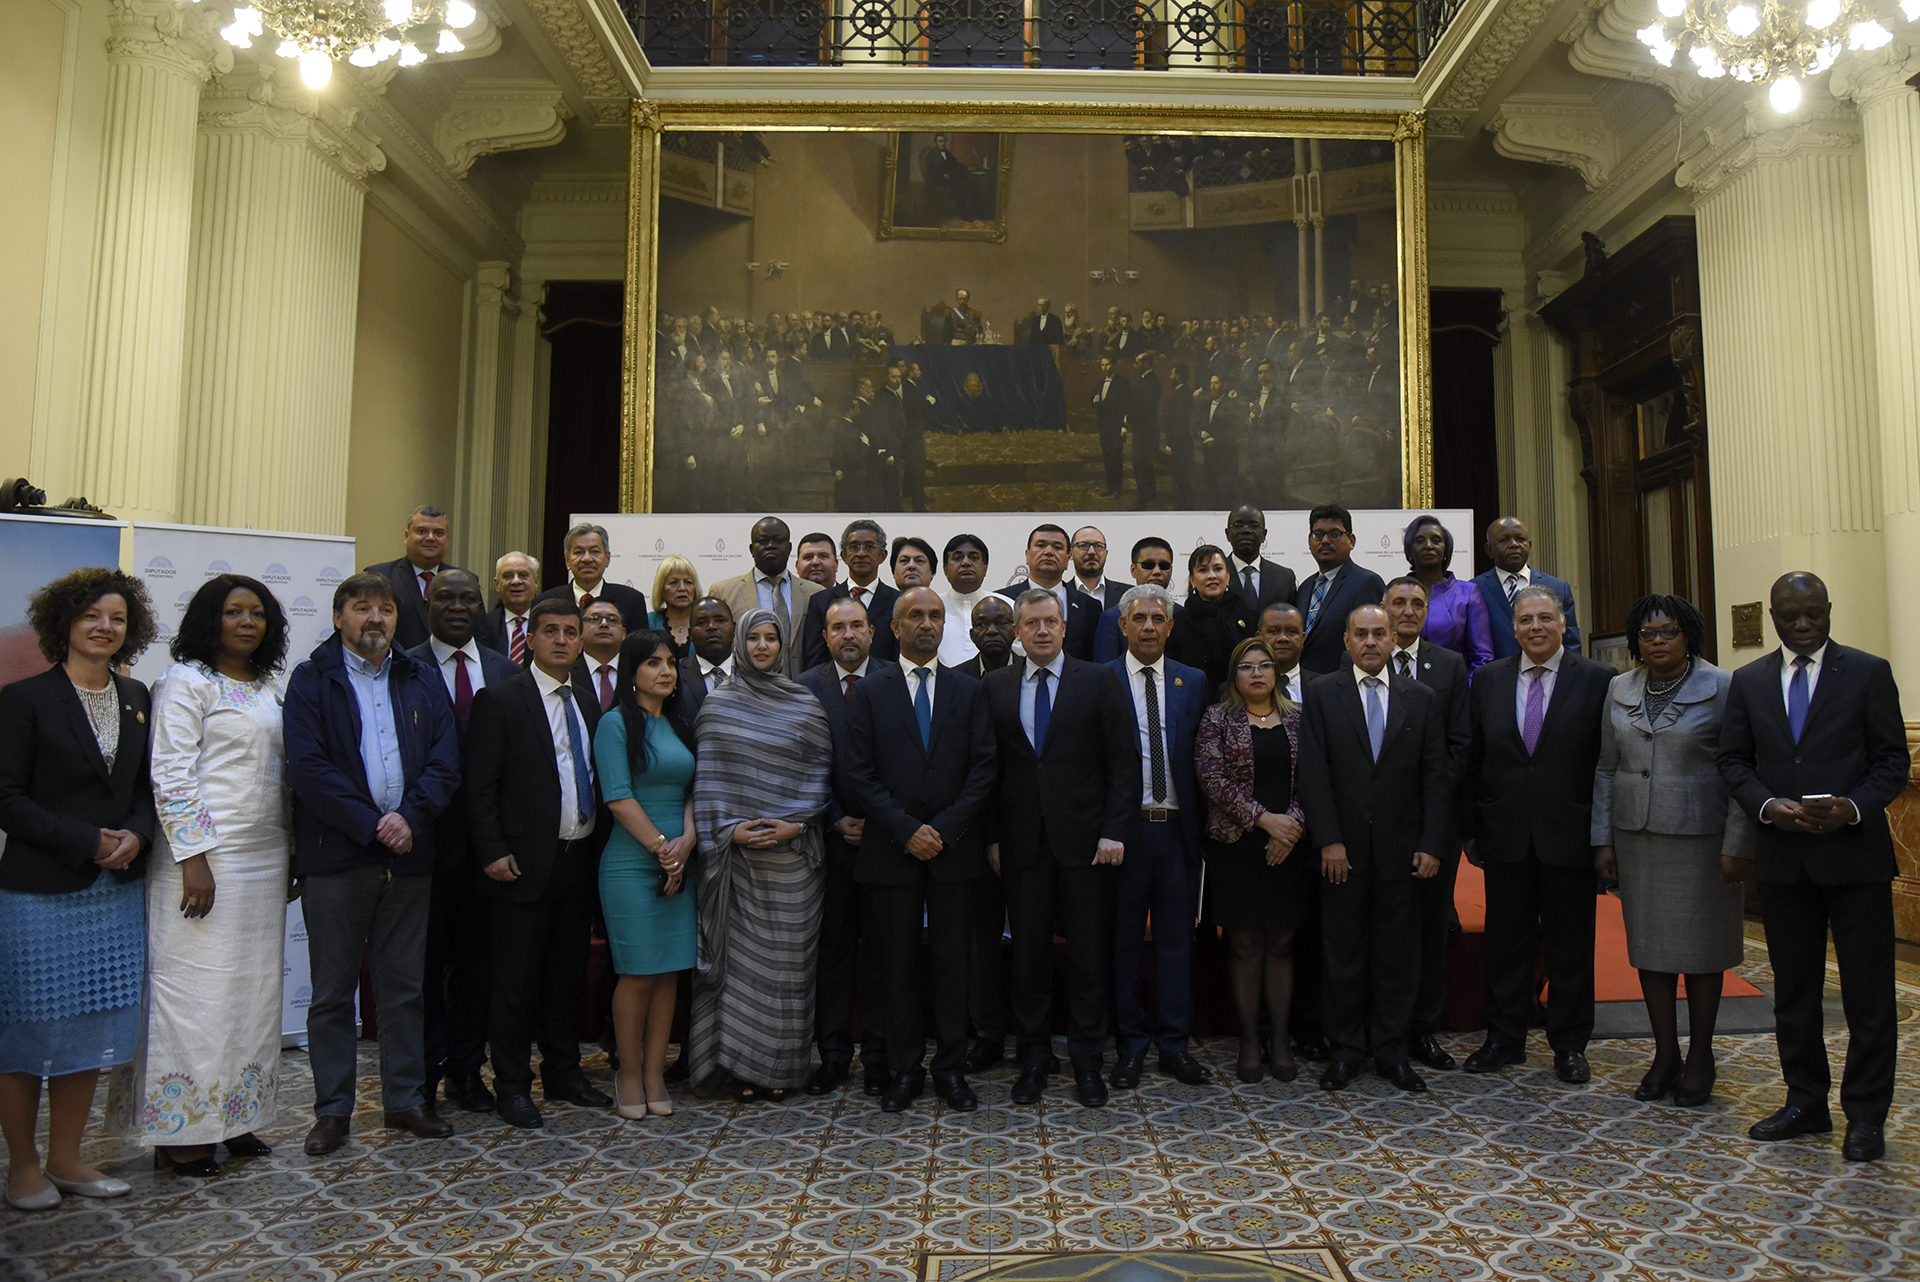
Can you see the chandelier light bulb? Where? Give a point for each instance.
(460, 14)
(410, 56)
(1743, 20)
(384, 48)
(1784, 95)
(1822, 14)
(1869, 35)
(1652, 35)
(449, 43)
(1672, 8)
(316, 68)
(399, 12)
(1911, 9)
(246, 23)
(287, 49)
(364, 56)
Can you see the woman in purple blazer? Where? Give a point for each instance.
(1457, 617)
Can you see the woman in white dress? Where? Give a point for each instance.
(216, 903)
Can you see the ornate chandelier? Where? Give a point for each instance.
(364, 32)
(1773, 42)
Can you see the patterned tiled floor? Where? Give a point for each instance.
(1509, 1177)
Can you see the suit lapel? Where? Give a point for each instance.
(536, 707)
(1506, 687)
(1348, 701)
(1396, 715)
(83, 728)
(1830, 672)
(903, 703)
(945, 709)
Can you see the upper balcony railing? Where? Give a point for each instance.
(1308, 37)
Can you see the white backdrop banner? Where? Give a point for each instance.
(716, 543)
(301, 570)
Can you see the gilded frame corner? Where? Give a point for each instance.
(649, 118)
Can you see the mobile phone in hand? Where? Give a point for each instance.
(1820, 799)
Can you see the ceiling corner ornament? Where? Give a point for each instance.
(170, 34)
(1777, 43)
(1509, 32)
(573, 36)
(255, 99)
(500, 115)
(1822, 126)
(1556, 132)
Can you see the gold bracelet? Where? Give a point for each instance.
(660, 845)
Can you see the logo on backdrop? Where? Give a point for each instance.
(276, 573)
(218, 567)
(329, 578)
(302, 608)
(159, 568)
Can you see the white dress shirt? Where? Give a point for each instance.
(443, 655)
(1239, 568)
(1815, 662)
(507, 620)
(1552, 675)
(1137, 688)
(556, 700)
(956, 643)
(594, 669)
(913, 681)
(1029, 687)
(1292, 685)
(1098, 591)
(765, 585)
(714, 673)
(1511, 581)
(1412, 650)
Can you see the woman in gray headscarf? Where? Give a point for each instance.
(765, 754)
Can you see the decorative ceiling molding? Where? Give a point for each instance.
(1509, 32)
(1867, 77)
(1627, 182)
(1600, 42)
(258, 95)
(488, 116)
(572, 36)
(1556, 130)
(1821, 124)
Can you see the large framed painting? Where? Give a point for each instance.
(872, 309)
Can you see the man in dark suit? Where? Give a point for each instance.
(1160, 879)
(913, 440)
(1112, 399)
(1445, 673)
(1069, 787)
(1536, 743)
(1814, 747)
(863, 547)
(1374, 783)
(1269, 416)
(1219, 422)
(1260, 582)
(1043, 327)
(1151, 562)
(849, 640)
(833, 343)
(710, 651)
(1509, 547)
(920, 762)
(595, 675)
(1336, 589)
(589, 552)
(992, 635)
(1144, 418)
(456, 970)
(1176, 418)
(516, 582)
(1088, 553)
(425, 541)
(532, 802)
(1046, 569)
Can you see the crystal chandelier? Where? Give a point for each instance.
(1772, 42)
(364, 32)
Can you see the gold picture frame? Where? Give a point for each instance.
(899, 220)
(650, 119)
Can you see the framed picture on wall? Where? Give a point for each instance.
(872, 309)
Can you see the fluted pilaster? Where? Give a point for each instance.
(159, 53)
(279, 196)
(488, 430)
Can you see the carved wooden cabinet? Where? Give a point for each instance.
(1638, 398)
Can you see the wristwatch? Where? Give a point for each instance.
(659, 845)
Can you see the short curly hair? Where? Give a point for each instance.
(54, 609)
(198, 640)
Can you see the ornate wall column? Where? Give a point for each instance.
(1787, 314)
(267, 405)
(486, 435)
(159, 53)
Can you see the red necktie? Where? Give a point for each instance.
(586, 599)
(462, 690)
(606, 686)
(850, 679)
(426, 583)
(517, 648)
(856, 593)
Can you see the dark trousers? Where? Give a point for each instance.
(1367, 925)
(1304, 1021)
(986, 960)
(540, 972)
(1180, 467)
(841, 930)
(1433, 904)
(362, 911)
(1157, 879)
(1798, 915)
(456, 989)
(1530, 904)
(1146, 452)
(893, 915)
(1080, 900)
(1111, 454)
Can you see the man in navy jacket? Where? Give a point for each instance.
(1335, 590)
(373, 758)
(1509, 547)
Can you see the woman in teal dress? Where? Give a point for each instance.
(646, 774)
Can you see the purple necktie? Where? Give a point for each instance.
(1536, 708)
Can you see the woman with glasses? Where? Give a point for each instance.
(1214, 620)
(1665, 829)
(1457, 617)
(1247, 750)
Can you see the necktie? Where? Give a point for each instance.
(858, 594)
(586, 599)
(426, 583)
(1536, 708)
(1376, 715)
(1156, 741)
(1513, 587)
(1797, 696)
(606, 686)
(851, 677)
(462, 690)
(1252, 583)
(517, 648)
(778, 604)
(923, 708)
(1319, 599)
(715, 675)
(1404, 664)
(582, 776)
(1042, 711)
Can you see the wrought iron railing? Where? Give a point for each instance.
(1311, 37)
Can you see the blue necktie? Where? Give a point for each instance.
(1797, 696)
(923, 709)
(1376, 715)
(582, 777)
(1319, 599)
(1042, 710)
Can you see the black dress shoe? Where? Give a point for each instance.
(828, 1076)
(953, 1091)
(421, 1120)
(901, 1092)
(1339, 1076)
(1427, 1049)
(1184, 1068)
(469, 1091)
(573, 1088)
(1571, 1066)
(1314, 1047)
(328, 1134)
(516, 1108)
(982, 1054)
(1657, 1085)
(247, 1145)
(679, 1070)
(874, 1078)
(1865, 1142)
(1031, 1085)
(204, 1168)
(1492, 1057)
(1403, 1076)
(1089, 1088)
(1694, 1096)
(1126, 1074)
(1790, 1121)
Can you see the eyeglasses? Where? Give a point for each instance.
(1659, 634)
(1328, 536)
(1154, 565)
(1089, 547)
(1253, 669)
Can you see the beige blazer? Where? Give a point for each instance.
(1665, 777)
(741, 595)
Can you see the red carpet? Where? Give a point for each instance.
(1613, 979)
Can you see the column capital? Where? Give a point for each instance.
(259, 97)
(1868, 78)
(171, 35)
(1821, 124)
(493, 285)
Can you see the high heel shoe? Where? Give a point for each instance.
(1248, 1068)
(1685, 1098)
(163, 1160)
(1653, 1088)
(1286, 1072)
(660, 1107)
(248, 1145)
(632, 1112)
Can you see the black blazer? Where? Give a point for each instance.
(1352, 588)
(972, 667)
(632, 601)
(813, 633)
(900, 783)
(1084, 785)
(1276, 584)
(1083, 618)
(1540, 804)
(513, 785)
(1445, 673)
(56, 792)
(585, 684)
(410, 625)
(450, 825)
(1111, 593)
(1386, 810)
(825, 682)
(1854, 745)
(491, 632)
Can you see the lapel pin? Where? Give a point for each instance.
(1179, 681)
(141, 717)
